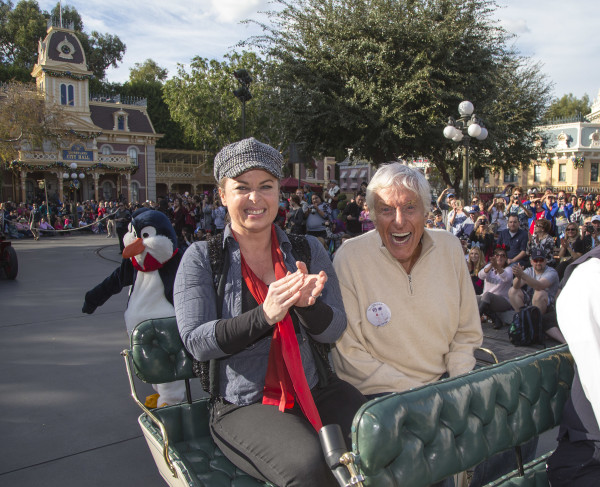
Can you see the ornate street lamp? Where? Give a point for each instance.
(461, 131)
(74, 176)
(243, 94)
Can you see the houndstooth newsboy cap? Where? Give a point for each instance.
(239, 157)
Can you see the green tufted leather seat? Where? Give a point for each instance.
(410, 439)
(158, 356)
(422, 436)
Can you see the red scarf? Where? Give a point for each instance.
(285, 377)
(150, 263)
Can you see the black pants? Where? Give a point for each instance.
(574, 464)
(121, 231)
(284, 448)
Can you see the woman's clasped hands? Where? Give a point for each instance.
(295, 289)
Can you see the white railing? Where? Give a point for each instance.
(38, 156)
(113, 159)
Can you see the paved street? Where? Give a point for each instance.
(66, 415)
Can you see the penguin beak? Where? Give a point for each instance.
(134, 248)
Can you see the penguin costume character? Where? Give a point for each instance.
(150, 262)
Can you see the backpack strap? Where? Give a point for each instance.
(208, 371)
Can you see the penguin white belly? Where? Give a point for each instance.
(147, 300)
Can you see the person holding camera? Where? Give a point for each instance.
(483, 235)
(317, 217)
(456, 218)
(591, 232)
(516, 207)
(497, 212)
(571, 248)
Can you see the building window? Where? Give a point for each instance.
(135, 192)
(106, 150)
(310, 173)
(121, 122)
(67, 95)
(486, 176)
(537, 174)
(562, 173)
(29, 191)
(510, 176)
(107, 191)
(594, 172)
(133, 156)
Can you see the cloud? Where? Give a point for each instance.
(228, 11)
(557, 34)
(518, 26)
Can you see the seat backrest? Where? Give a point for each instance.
(157, 352)
(422, 436)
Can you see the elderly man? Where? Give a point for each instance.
(411, 308)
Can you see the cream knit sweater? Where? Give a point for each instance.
(405, 330)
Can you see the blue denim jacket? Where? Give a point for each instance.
(241, 377)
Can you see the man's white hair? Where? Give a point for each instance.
(402, 177)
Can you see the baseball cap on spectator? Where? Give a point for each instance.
(537, 253)
(451, 195)
(596, 218)
(467, 209)
(474, 209)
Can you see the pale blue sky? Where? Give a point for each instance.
(561, 35)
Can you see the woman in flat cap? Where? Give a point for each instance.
(270, 401)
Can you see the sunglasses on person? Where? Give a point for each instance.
(538, 260)
(483, 221)
(571, 229)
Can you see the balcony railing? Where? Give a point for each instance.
(124, 100)
(181, 170)
(113, 159)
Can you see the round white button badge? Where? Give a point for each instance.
(379, 314)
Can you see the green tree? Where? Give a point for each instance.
(147, 72)
(382, 77)
(202, 101)
(21, 28)
(145, 81)
(26, 118)
(567, 107)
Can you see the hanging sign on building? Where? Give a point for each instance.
(77, 152)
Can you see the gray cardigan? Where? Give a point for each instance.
(241, 377)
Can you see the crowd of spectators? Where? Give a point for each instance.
(563, 226)
(525, 240)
